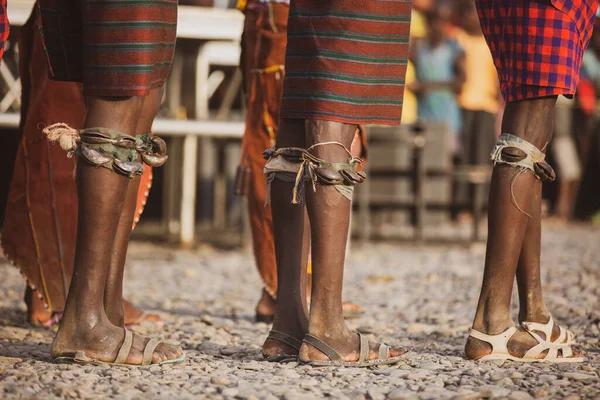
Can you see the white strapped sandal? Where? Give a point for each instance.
(555, 353)
(566, 337)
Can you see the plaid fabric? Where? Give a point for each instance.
(537, 45)
(346, 60)
(4, 27)
(115, 47)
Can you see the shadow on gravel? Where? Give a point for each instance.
(25, 350)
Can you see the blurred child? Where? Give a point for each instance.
(479, 99)
(439, 67)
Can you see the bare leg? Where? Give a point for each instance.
(329, 214)
(101, 192)
(290, 250)
(511, 231)
(113, 294)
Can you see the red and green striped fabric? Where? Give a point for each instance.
(346, 60)
(115, 47)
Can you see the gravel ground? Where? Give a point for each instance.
(422, 296)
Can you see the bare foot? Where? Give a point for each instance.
(265, 309)
(135, 316)
(37, 314)
(273, 348)
(347, 346)
(103, 341)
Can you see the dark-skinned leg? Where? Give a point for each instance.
(507, 226)
(113, 294)
(291, 250)
(329, 214)
(101, 192)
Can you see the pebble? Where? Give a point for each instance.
(220, 380)
(209, 311)
(401, 394)
(519, 396)
(230, 392)
(578, 376)
(375, 394)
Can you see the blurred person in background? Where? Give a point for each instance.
(479, 100)
(41, 213)
(439, 63)
(262, 63)
(587, 131)
(566, 157)
(418, 29)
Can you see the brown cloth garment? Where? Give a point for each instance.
(262, 63)
(41, 212)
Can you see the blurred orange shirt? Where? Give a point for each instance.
(481, 88)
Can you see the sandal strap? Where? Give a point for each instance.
(384, 351)
(363, 347)
(546, 328)
(563, 337)
(322, 347)
(285, 339)
(125, 348)
(498, 342)
(149, 351)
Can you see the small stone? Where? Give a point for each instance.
(309, 382)
(546, 378)
(357, 396)
(431, 366)
(289, 373)
(10, 360)
(402, 394)
(219, 380)
(232, 350)
(561, 382)
(210, 348)
(375, 394)
(519, 396)
(297, 396)
(230, 392)
(517, 375)
(251, 366)
(578, 376)
(493, 391)
(67, 375)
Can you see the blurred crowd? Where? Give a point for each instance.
(451, 79)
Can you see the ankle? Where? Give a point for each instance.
(534, 314)
(328, 329)
(493, 324)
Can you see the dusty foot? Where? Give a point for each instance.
(265, 309)
(135, 316)
(347, 345)
(518, 345)
(37, 314)
(103, 341)
(273, 348)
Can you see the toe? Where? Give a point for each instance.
(397, 351)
